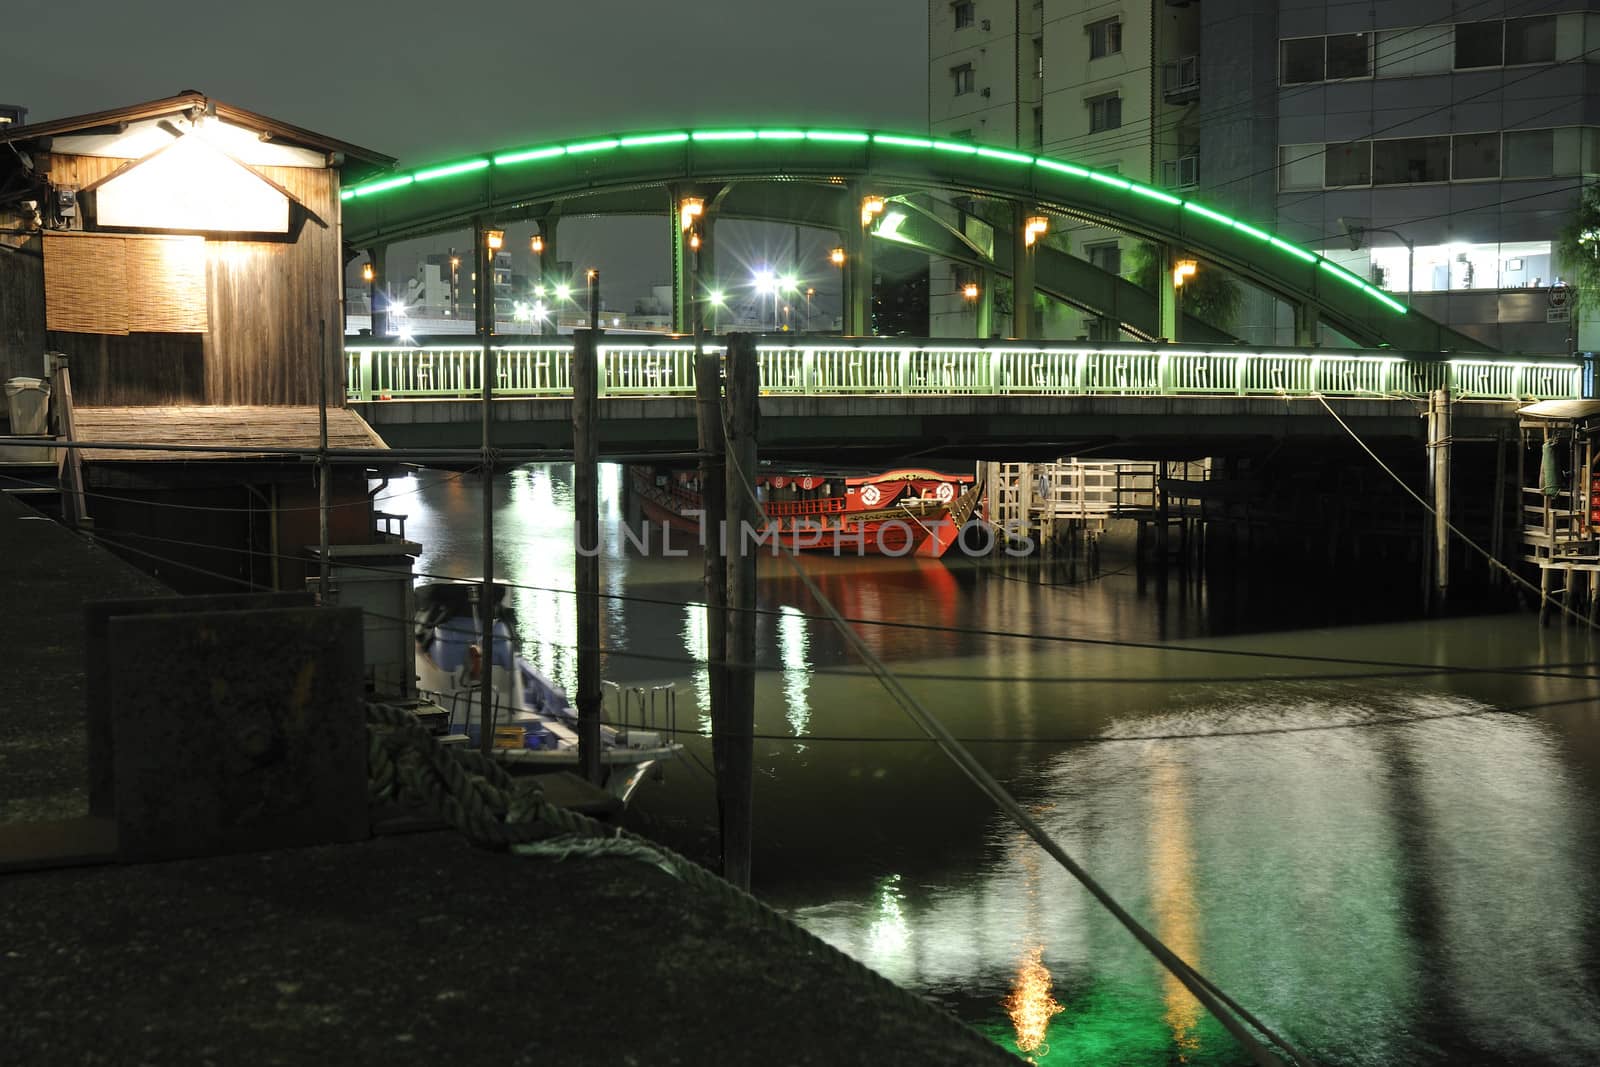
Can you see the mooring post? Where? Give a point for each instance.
(736, 777)
(483, 311)
(586, 554)
(1497, 535)
(1439, 451)
(713, 523)
(324, 567)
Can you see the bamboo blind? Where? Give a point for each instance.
(115, 284)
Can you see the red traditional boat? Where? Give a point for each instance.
(897, 513)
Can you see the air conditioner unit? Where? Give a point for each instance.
(985, 24)
(986, 91)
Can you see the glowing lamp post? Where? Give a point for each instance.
(1037, 226)
(1183, 270)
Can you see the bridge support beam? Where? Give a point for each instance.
(378, 323)
(857, 265)
(682, 262)
(548, 261)
(1022, 277)
(1306, 322)
(1166, 294)
(985, 308)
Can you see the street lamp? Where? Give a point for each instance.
(718, 299)
(1036, 227)
(1183, 270)
(810, 292)
(765, 283)
(536, 245)
(836, 257)
(1356, 230)
(969, 291)
(368, 273)
(455, 271)
(871, 207)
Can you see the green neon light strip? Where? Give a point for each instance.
(465, 167)
(860, 137)
(1155, 194)
(381, 187)
(528, 156)
(1111, 180)
(1205, 212)
(1293, 250)
(1008, 157)
(1340, 273)
(593, 146)
(654, 138)
(1064, 168)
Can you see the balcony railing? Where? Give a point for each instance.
(835, 367)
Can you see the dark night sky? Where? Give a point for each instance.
(432, 79)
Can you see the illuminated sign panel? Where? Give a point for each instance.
(191, 186)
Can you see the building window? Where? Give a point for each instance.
(963, 13)
(1348, 163)
(1411, 160)
(1105, 38)
(1531, 40)
(1530, 154)
(1106, 256)
(961, 135)
(1038, 127)
(1038, 57)
(1302, 60)
(1105, 112)
(1475, 155)
(962, 76)
(1300, 166)
(1349, 55)
(1479, 44)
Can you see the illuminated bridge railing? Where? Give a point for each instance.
(665, 367)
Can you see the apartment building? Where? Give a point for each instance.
(1435, 147)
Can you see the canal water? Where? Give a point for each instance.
(1365, 831)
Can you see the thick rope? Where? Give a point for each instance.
(494, 810)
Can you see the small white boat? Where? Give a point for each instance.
(535, 725)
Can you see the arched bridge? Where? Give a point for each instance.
(964, 202)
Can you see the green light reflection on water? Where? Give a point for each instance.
(1111, 1023)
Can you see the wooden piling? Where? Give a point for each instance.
(483, 308)
(713, 499)
(735, 779)
(586, 561)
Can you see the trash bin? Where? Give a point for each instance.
(28, 400)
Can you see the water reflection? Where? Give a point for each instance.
(1387, 869)
(1172, 890)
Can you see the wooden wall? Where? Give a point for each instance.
(22, 337)
(134, 369)
(266, 302)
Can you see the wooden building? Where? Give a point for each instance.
(184, 257)
(181, 251)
